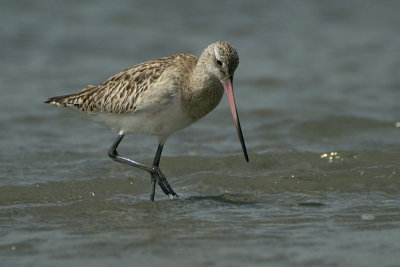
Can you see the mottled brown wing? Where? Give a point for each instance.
(120, 92)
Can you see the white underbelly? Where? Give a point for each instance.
(159, 120)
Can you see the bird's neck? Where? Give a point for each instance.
(202, 93)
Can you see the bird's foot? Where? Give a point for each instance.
(162, 182)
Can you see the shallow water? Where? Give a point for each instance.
(317, 88)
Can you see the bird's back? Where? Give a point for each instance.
(122, 93)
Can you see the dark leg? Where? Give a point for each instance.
(154, 170)
(113, 154)
(162, 181)
(153, 187)
(156, 163)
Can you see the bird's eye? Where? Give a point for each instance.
(219, 62)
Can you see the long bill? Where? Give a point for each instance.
(228, 86)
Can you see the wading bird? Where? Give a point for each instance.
(160, 97)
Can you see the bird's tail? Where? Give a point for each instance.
(57, 100)
(72, 100)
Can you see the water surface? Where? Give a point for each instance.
(317, 89)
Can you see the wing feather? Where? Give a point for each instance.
(119, 93)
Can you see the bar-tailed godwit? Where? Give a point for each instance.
(160, 97)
